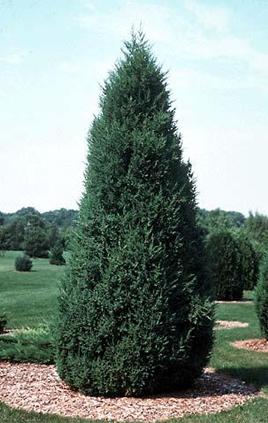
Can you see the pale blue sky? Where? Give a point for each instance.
(54, 54)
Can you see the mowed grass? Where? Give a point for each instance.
(252, 367)
(30, 300)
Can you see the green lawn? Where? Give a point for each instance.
(30, 298)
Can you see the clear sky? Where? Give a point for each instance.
(54, 54)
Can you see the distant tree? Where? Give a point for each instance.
(257, 228)
(14, 233)
(62, 218)
(23, 263)
(250, 260)
(211, 220)
(27, 211)
(56, 254)
(3, 241)
(53, 235)
(17, 224)
(225, 264)
(36, 242)
(261, 297)
(66, 234)
(14, 226)
(2, 218)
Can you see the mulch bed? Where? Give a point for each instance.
(258, 345)
(230, 324)
(38, 388)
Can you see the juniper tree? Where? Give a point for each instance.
(250, 261)
(261, 296)
(226, 264)
(134, 312)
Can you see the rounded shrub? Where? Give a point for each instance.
(225, 263)
(23, 263)
(261, 297)
(3, 322)
(134, 311)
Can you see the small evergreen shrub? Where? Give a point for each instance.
(261, 297)
(30, 345)
(23, 263)
(3, 322)
(134, 310)
(225, 264)
(56, 254)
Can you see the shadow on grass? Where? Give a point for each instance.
(257, 376)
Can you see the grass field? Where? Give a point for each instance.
(30, 299)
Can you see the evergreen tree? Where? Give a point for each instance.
(261, 297)
(36, 242)
(134, 312)
(56, 254)
(226, 265)
(53, 236)
(250, 261)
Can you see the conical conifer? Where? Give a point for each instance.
(134, 313)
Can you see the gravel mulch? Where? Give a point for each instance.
(258, 345)
(230, 324)
(38, 388)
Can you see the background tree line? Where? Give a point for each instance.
(36, 233)
(19, 227)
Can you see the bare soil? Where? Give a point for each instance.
(258, 345)
(230, 324)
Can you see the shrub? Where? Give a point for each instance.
(3, 322)
(225, 264)
(30, 345)
(56, 255)
(23, 263)
(261, 297)
(250, 262)
(134, 314)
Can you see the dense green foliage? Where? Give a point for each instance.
(47, 227)
(23, 263)
(61, 218)
(36, 242)
(28, 345)
(3, 322)
(225, 263)
(261, 297)
(250, 258)
(216, 219)
(257, 228)
(56, 255)
(134, 315)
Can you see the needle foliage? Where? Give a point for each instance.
(134, 309)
